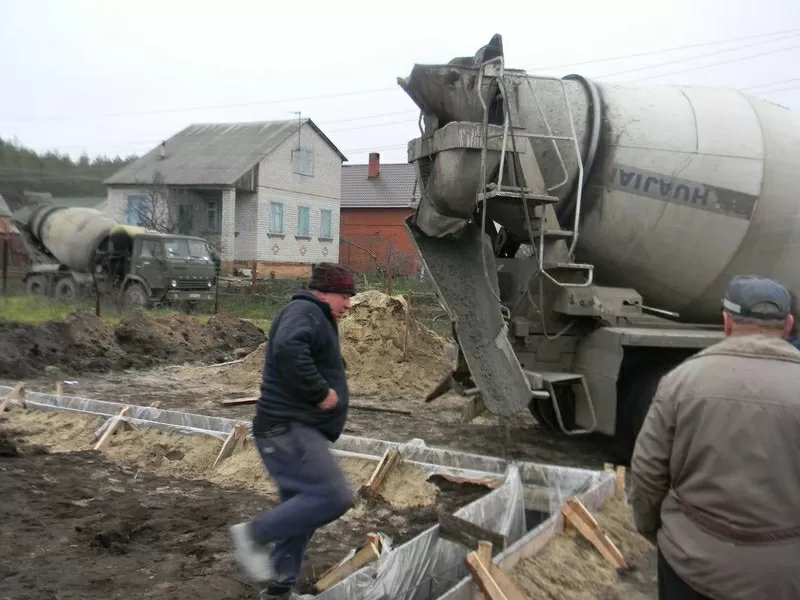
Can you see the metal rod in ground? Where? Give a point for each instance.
(5, 264)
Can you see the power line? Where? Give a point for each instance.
(753, 87)
(673, 49)
(723, 62)
(192, 108)
(704, 55)
(783, 89)
(381, 90)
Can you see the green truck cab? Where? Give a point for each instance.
(168, 268)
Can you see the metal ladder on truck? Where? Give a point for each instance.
(540, 236)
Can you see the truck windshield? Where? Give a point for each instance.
(195, 249)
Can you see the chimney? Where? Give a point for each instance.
(374, 165)
(163, 151)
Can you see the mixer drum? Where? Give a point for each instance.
(690, 187)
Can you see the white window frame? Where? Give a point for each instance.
(307, 211)
(303, 161)
(275, 208)
(322, 233)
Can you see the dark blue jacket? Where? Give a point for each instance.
(303, 361)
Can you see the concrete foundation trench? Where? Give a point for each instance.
(522, 500)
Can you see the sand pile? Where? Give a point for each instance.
(573, 568)
(372, 336)
(83, 343)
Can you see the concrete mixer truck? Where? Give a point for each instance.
(580, 233)
(71, 249)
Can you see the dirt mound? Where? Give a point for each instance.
(372, 336)
(81, 342)
(84, 343)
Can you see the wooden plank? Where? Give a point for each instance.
(483, 577)
(390, 461)
(238, 432)
(364, 556)
(237, 401)
(112, 427)
(15, 396)
(585, 523)
(468, 534)
(394, 411)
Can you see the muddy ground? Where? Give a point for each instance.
(393, 361)
(83, 343)
(86, 524)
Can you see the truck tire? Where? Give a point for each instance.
(37, 285)
(66, 289)
(136, 296)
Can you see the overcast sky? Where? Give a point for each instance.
(118, 76)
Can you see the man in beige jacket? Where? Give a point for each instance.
(715, 472)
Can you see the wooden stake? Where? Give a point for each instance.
(16, 395)
(474, 407)
(366, 554)
(575, 512)
(620, 490)
(238, 433)
(390, 461)
(59, 389)
(468, 534)
(115, 424)
(489, 577)
(407, 325)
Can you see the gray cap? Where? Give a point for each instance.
(745, 292)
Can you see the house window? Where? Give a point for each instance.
(137, 210)
(276, 217)
(325, 219)
(303, 161)
(303, 218)
(212, 215)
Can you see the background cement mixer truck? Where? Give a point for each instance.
(72, 248)
(581, 234)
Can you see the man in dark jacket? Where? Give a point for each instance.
(301, 410)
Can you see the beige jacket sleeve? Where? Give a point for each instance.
(650, 475)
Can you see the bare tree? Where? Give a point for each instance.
(159, 210)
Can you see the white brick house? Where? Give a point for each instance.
(265, 192)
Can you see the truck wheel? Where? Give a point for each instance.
(37, 285)
(136, 296)
(66, 289)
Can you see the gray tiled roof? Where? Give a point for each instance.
(393, 188)
(211, 154)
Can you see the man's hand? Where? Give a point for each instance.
(330, 401)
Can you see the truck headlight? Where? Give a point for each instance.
(174, 283)
(209, 284)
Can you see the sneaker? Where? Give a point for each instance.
(253, 557)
